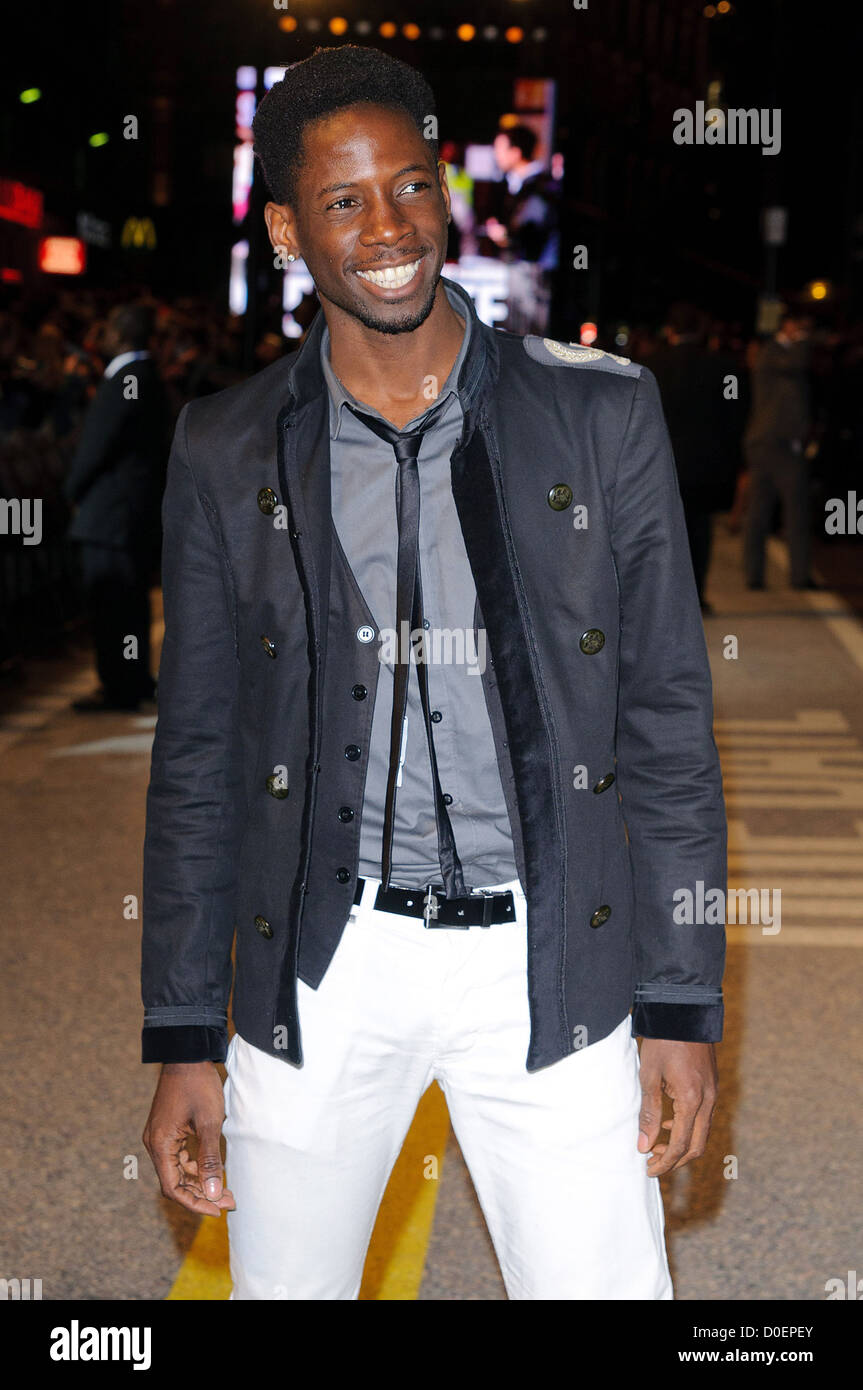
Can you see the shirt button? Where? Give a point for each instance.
(264, 927)
(359, 692)
(345, 814)
(559, 497)
(592, 641)
(343, 875)
(352, 752)
(436, 716)
(447, 798)
(601, 915)
(365, 633)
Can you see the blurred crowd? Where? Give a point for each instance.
(53, 357)
(52, 360)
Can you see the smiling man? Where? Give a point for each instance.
(436, 867)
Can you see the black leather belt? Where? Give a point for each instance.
(480, 910)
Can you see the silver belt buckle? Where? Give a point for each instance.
(430, 906)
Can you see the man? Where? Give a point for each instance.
(528, 233)
(427, 874)
(114, 484)
(704, 424)
(775, 447)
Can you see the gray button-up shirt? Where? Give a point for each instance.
(363, 472)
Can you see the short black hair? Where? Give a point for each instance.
(329, 80)
(523, 138)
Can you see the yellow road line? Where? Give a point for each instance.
(397, 1253)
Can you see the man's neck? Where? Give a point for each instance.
(391, 371)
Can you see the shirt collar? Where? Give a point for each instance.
(341, 397)
(120, 361)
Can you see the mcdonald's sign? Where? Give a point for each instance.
(139, 233)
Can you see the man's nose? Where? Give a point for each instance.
(386, 222)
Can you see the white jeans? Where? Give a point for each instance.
(553, 1156)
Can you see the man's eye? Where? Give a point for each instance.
(339, 201)
(417, 183)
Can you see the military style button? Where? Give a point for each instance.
(345, 814)
(592, 641)
(264, 927)
(559, 497)
(276, 786)
(343, 875)
(436, 716)
(604, 782)
(267, 501)
(352, 752)
(359, 692)
(268, 645)
(447, 798)
(601, 915)
(365, 633)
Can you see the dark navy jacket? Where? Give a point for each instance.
(597, 686)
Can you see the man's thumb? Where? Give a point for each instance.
(210, 1162)
(649, 1119)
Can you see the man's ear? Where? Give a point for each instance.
(444, 188)
(281, 228)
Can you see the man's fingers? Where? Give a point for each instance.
(182, 1185)
(679, 1140)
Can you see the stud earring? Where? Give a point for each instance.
(290, 256)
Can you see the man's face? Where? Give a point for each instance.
(370, 219)
(506, 155)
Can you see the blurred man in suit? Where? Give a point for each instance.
(775, 443)
(114, 486)
(700, 396)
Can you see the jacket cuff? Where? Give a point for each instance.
(679, 1022)
(186, 1042)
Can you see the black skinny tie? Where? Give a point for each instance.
(409, 608)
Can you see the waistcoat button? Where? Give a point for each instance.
(343, 875)
(267, 501)
(264, 927)
(345, 814)
(601, 915)
(359, 692)
(352, 752)
(604, 782)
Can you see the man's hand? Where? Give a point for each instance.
(189, 1101)
(687, 1073)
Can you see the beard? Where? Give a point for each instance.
(399, 321)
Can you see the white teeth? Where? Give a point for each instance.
(392, 277)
